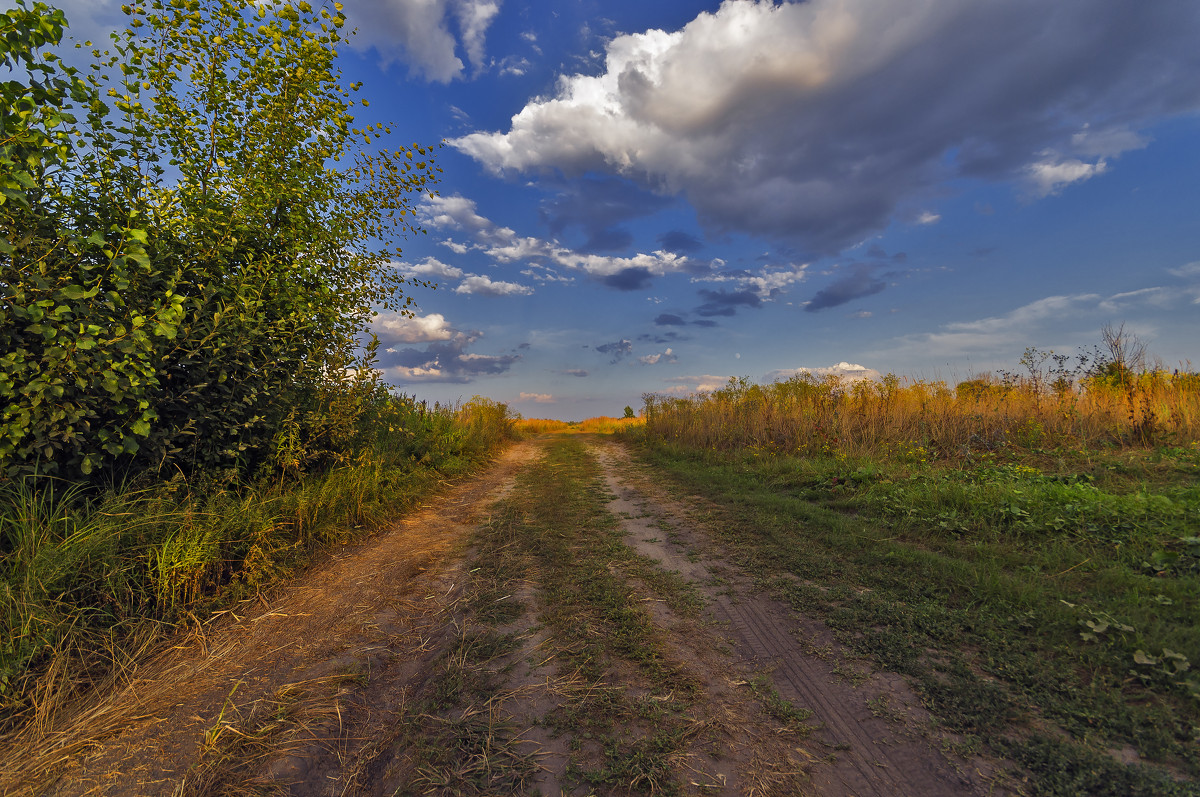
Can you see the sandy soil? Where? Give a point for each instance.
(324, 665)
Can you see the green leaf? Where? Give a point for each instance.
(77, 292)
(1142, 657)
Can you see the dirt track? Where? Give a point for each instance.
(322, 669)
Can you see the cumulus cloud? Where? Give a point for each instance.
(765, 283)
(421, 33)
(483, 285)
(667, 356)
(430, 269)
(1051, 175)
(847, 372)
(538, 398)
(395, 328)
(443, 358)
(504, 245)
(817, 122)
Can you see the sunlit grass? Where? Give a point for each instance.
(85, 575)
(809, 415)
(599, 425)
(1027, 556)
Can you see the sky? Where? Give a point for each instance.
(653, 197)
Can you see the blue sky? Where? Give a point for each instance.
(653, 197)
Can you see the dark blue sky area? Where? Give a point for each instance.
(653, 197)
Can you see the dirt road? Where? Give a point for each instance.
(416, 664)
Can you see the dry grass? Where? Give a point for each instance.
(922, 419)
(599, 425)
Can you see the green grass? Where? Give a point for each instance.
(555, 555)
(559, 523)
(1046, 604)
(89, 580)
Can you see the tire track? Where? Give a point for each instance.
(368, 620)
(871, 756)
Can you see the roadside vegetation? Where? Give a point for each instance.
(1023, 548)
(90, 579)
(602, 424)
(193, 239)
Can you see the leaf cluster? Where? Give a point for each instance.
(192, 239)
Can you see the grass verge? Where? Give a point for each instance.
(90, 581)
(557, 603)
(1046, 608)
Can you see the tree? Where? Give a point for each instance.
(629, 412)
(193, 264)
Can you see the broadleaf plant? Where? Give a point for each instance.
(192, 240)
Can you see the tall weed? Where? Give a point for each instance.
(84, 575)
(811, 415)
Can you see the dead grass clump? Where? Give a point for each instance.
(913, 418)
(601, 424)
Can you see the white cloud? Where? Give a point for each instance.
(428, 269)
(654, 359)
(456, 212)
(929, 218)
(764, 283)
(538, 398)
(1186, 270)
(817, 121)
(1051, 175)
(429, 349)
(393, 327)
(474, 18)
(847, 372)
(545, 275)
(1004, 333)
(483, 285)
(514, 66)
(506, 246)
(418, 32)
(1157, 297)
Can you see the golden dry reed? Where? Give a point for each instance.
(599, 425)
(810, 415)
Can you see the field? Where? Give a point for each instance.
(1027, 557)
(746, 591)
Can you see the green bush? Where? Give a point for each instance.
(186, 243)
